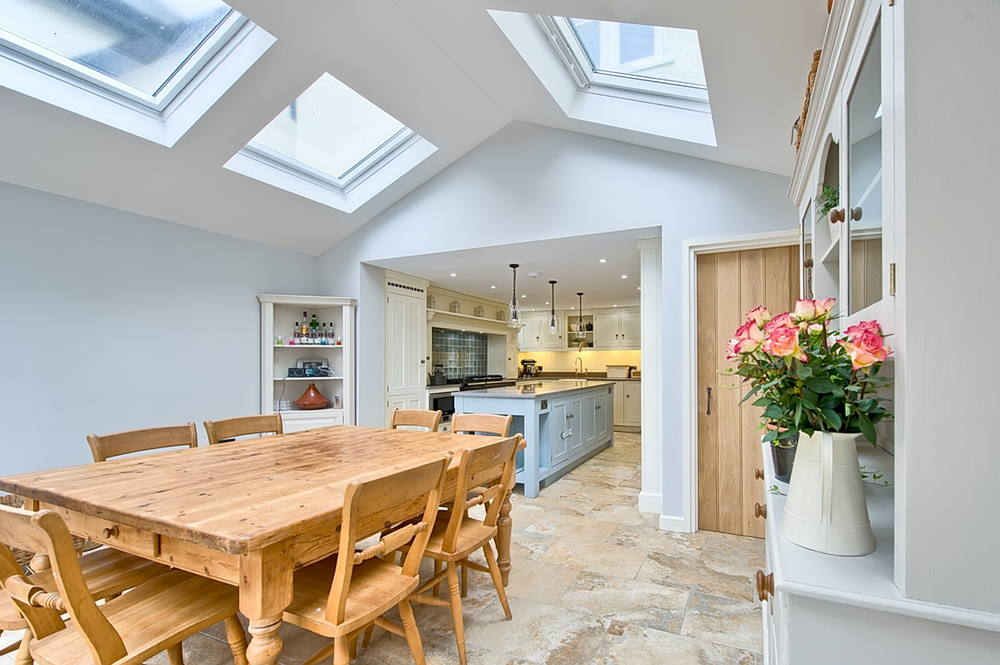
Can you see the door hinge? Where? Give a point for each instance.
(892, 279)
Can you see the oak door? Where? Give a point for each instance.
(729, 285)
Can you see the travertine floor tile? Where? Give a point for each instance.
(541, 633)
(200, 649)
(732, 622)
(693, 574)
(595, 558)
(538, 581)
(736, 555)
(652, 539)
(648, 646)
(627, 601)
(569, 527)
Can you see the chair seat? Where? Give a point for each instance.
(175, 603)
(375, 585)
(471, 537)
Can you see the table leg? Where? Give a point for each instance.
(265, 591)
(504, 527)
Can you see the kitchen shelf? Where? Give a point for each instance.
(308, 378)
(308, 346)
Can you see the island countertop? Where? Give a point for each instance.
(536, 388)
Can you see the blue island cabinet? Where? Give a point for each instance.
(564, 423)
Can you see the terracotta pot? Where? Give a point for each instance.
(312, 398)
(826, 509)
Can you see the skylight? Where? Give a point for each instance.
(138, 48)
(643, 78)
(328, 143)
(330, 132)
(130, 64)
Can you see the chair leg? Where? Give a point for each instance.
(368, 636)
(497, 579)
(23, 656)
(341, 651)
(465, 578)
(455, 596)
(437, 571)
(412, 634)
(175, 654)
(237, 639)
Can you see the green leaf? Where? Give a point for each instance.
(770, 436)
(764, 402)
(774, 412)
(831, 417)
(821, 385)
(804, 372)
(867, 428)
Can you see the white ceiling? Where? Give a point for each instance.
(443, 68)
(575, 264)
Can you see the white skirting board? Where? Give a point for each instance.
(650, 503)
(673, 523)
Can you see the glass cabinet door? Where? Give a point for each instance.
(864, 181)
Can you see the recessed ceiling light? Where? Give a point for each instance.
(523, 296)
(614, 305)
(493, 286)
(454, 275)
(640, 288)
(604, 260)
(624, 276)
(546, 302)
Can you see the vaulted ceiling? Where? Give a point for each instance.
(443, 68)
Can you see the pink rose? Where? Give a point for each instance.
(866, 348)
(824, 306)
(759, 315)
(783, 341)
(805, 310)
(748, 339)
(863, 327)
(780, 321)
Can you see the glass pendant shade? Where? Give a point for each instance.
(513, 312)
(552, 313)
(581, 331)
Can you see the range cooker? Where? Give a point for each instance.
(445, 403)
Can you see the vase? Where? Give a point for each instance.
(826, 509)
(783, 458)
(312, 398)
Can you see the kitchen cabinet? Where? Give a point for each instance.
(405, 345)
(618, 330)
(535, 333)
(628, 405)
(278, 315)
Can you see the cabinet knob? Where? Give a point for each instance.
(837, 215)
(759, 510)
(110, 532)
(856, 214)
(765, 585)
(758, 474)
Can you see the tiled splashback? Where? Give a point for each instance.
(461, 354)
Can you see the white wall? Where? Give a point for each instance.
(529, 183)
(112, 321)
(947, 444)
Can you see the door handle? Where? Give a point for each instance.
(708, 411)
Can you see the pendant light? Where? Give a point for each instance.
(513, 313)
(552, 313)
(581, 331)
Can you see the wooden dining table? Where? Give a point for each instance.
(247, 513)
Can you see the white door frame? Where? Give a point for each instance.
(689, 344)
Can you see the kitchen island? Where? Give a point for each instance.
(563, 422)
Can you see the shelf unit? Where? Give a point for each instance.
(278, 314)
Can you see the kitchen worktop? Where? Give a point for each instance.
(598, 376)
(537, 387)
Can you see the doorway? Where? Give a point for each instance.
(729, 284)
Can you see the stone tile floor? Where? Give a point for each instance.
(593, 582)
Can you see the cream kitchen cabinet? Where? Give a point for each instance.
(628, 405)
(535, 333)
(618, 330)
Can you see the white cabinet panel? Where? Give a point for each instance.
(530, 336)
(630, 328)
(606, 331)
(618, 330)
(633, 403)
(405, 344)
(559, 426)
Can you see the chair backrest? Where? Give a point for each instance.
(45, 531)
(415, 418)
(140, 440)
(476, 467)
(230, 428)
(380, 502)
(481, 423)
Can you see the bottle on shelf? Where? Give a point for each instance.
(304, 330)
(322, 335)
(294, 339)
(314, 324)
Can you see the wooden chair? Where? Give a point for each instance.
(415, 418)
(481, 423)
(220, 431)
(341, 596)
(456, 535)
(154, 616)
(140, 440)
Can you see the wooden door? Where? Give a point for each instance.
(729, 285)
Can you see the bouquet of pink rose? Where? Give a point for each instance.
(807, 377)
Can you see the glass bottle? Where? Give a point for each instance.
(314, 325)
(322, 334)
(304, 330)
(294, 339)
